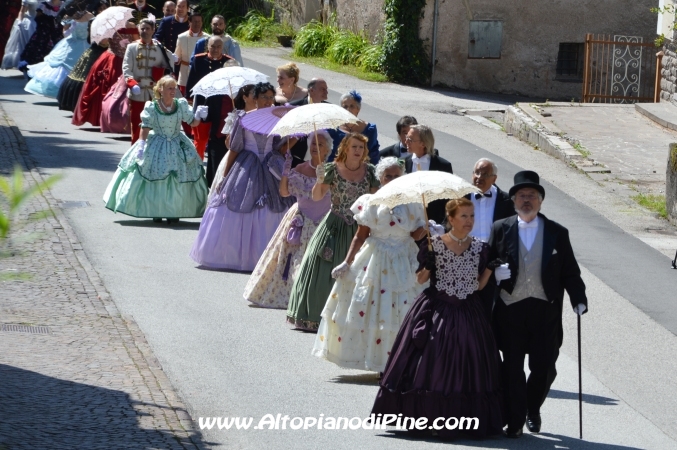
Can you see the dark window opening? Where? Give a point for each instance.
(570, 61)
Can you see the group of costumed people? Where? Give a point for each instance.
(381, 294)
(426, 304)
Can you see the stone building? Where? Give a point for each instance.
(524, 47)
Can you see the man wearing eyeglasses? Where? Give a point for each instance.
(539, 265)
(491, 204)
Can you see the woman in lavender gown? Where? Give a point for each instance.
(444, 362)
(272, 279)
(246, 208)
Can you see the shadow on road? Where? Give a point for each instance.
(587, 398)
(363, 379)
(39, 411)
(542, 441)
(148, 223)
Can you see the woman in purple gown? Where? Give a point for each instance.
(444, 362)
(246, 207)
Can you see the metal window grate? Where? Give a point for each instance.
(8, 327)
(570, 60)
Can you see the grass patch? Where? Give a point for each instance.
(652, 202)
(582, 150)
(258, 30)
(355, 71)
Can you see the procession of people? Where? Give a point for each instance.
(437, 285)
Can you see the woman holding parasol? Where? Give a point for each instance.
(347, 178)
(444, 362)
(272, 279)
(245, 209)
(376, 284)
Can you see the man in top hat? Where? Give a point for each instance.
(491, 204)
(143, 64)
(539, 264)
(219, 105)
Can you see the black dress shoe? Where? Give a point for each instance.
(513, 434)
(534, 423)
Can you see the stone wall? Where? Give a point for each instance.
(671, 185)
(669, 73)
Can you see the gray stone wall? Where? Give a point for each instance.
(671, 185)
(669, 73)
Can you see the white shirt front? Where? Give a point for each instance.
(423, 161)
(527, 231)
(484, 214)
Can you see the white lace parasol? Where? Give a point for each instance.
(227, 81)
(315, 116)
(105, 25)
(422, 186)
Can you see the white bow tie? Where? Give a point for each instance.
(532, 224)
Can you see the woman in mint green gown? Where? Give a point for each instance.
(161, 175)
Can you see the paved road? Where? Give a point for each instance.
(227, 359)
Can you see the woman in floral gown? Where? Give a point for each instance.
(272, 279)
(376, 284)
(444, 362)
(348, 178)
(161, 175)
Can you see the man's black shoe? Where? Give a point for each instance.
(513, 434)
(534, 423)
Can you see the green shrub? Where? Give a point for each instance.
(233, 11)
(254, 26)
(314, 38)
(404, 59)
(371, 58)
(346, 48)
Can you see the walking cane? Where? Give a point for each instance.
(580, 380)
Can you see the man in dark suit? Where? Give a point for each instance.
(399, 150)
(491, 204)
(421, 145)
(539, 264)
(171, 27)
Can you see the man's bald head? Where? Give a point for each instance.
(169, 9)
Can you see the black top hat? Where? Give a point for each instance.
(526, 179)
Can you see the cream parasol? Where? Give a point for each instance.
(106, 23)
(308, 118)
(227, 81)
(422, 186)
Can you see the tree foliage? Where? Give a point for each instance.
(404, 58)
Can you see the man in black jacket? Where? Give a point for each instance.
(317, 93)
(539, 264)
(422, 156)
(491, 204)
(399, 150)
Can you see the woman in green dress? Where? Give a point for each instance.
(161, 175)
(347, 178)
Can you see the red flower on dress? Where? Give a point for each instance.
(339, 338)
(378, 341)
(361, 313)
(365, 268)
(359, 207)
(383, 291)
(392, 224)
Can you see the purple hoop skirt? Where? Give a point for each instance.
(444, 363)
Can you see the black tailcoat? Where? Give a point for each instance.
(435, 209)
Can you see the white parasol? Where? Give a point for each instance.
(106, 24)
(422, 186)
(227, 81)
(308, 118)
